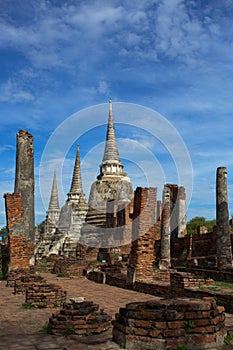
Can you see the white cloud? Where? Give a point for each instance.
(57, 36)
(6, 148)
(10, 91)
(100, 88)
(103, 87)
(180, 34)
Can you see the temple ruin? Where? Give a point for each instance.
(124, 238)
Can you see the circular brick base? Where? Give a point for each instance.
(167, 324)
(81, 318)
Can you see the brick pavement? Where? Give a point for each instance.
(20, 329)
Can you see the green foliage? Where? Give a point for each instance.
(63, 274)
(224, 284)
(189, 325)
(193, 224)
(95, 261)
(46, 328)
(27, 306)
(3, 234)
(43, 265)
(228, 340)
(63, 302)
(122, 346)
(40, 227)
(182, 347)
(69, 330)
(210, 225)
(59, 303)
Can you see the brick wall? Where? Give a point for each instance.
(167, 324)
(141, 262)
(21, 249)
(119, 217)
(68, 266)
(184, 250)
(14, 213)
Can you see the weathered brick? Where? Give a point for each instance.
(83, 318)
(142, 323)
(168, 329)
(168, 333)
(161, 325)
(141, 263)
(176, 324)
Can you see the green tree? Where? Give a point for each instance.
(210, 225)
(193, 224)
(3, 234)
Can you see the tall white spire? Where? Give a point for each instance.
(111, 151)
(53, 211)
(111, 160)
(54, 202)
(76, 185)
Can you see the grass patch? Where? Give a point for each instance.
(63, 274)
(224, 284)
(209, 288)
(27, 306)
(43, 265)
(228, 340)
(94, 261)
(59, 303)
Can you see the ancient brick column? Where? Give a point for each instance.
(142, 256)
(20, 248)
(24, 179)
(223, 243)
(165, 261)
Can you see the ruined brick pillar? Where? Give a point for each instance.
(20, 248)
(165, 261)
(141, 262)
(223, 242)
(24, 179)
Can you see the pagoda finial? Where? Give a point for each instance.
(54, 202)
(76, 185)
(111, 150)
(110, 106)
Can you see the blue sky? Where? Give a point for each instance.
(170, 56)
